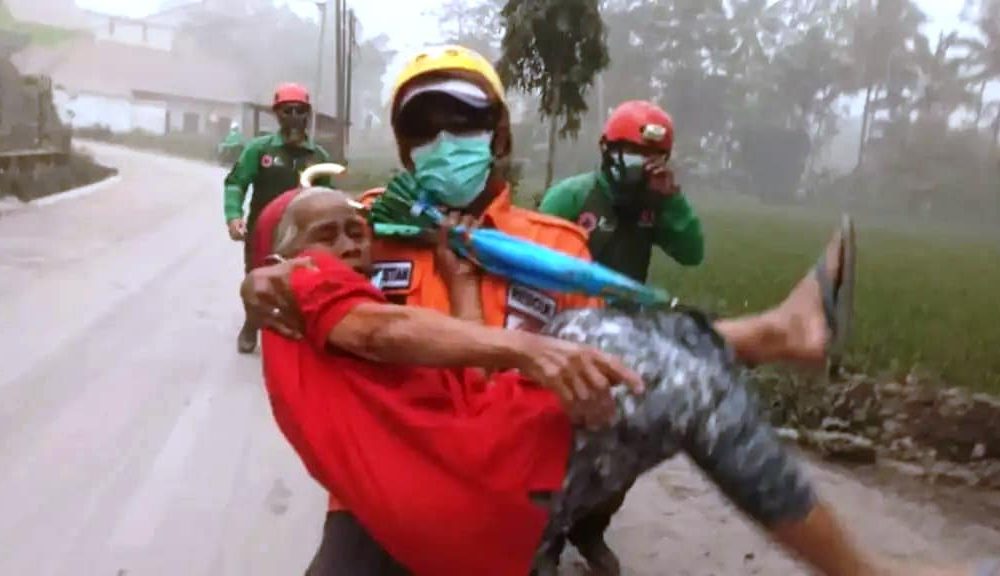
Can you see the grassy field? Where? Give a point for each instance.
(928, 295)
(925, 299)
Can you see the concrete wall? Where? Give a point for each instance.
(119, 114)
(202, 117)
(94, 110)
(149, 117)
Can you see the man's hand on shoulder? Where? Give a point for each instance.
(268, 298)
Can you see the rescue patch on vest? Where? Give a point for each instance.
(587, 221)
(529, 309)
(392, 275)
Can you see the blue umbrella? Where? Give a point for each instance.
(538, 266)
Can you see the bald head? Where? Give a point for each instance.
(321, 219)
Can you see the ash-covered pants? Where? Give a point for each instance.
(696, 401)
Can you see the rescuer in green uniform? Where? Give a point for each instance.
(272, 165)
(631, 203)
(626, 207)
(232, 145)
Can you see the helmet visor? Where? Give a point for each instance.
(453, 106)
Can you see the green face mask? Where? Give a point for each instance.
(452, 169)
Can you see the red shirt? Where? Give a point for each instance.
(436, 464)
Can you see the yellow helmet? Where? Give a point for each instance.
(455, 61)
(449, 59)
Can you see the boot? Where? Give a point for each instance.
(246, 341)
(601, 559)
(546, 565)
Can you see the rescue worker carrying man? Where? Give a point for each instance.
(452, 130)
(627, 206)
(271, 164)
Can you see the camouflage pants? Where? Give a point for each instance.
(696, 401)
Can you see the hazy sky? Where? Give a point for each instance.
(410, 23)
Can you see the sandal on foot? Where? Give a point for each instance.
(838, 293)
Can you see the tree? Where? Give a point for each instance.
(691, 42)
(941, 89)
(883, 32)
(371, 62)
(984, 59)
(633, 44)
(557, 48)
(781, 66)
(807, 79)
(474, 24)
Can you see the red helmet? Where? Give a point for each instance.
(287, 93)
(640, 122)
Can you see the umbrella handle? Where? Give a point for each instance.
(459, 243)
(327, 169)
(317, 170)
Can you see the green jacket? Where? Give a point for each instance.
(622, 245)
(272, 168)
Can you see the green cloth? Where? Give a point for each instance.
(233, 139)
(620, 245)
(272, 167)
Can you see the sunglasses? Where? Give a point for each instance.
(293, 110)
(430, 114)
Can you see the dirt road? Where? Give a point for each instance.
(135, 441)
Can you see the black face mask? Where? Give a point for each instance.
(293, 120)
(627, 175)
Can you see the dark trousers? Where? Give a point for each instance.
(591, 528)
(248, 261)
(248, 251)
(348, 550)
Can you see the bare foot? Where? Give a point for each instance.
(806, 322)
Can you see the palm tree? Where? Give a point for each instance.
(882, 33)
(985, 58)
(690, 45)
(475, 24)
(941, 88)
